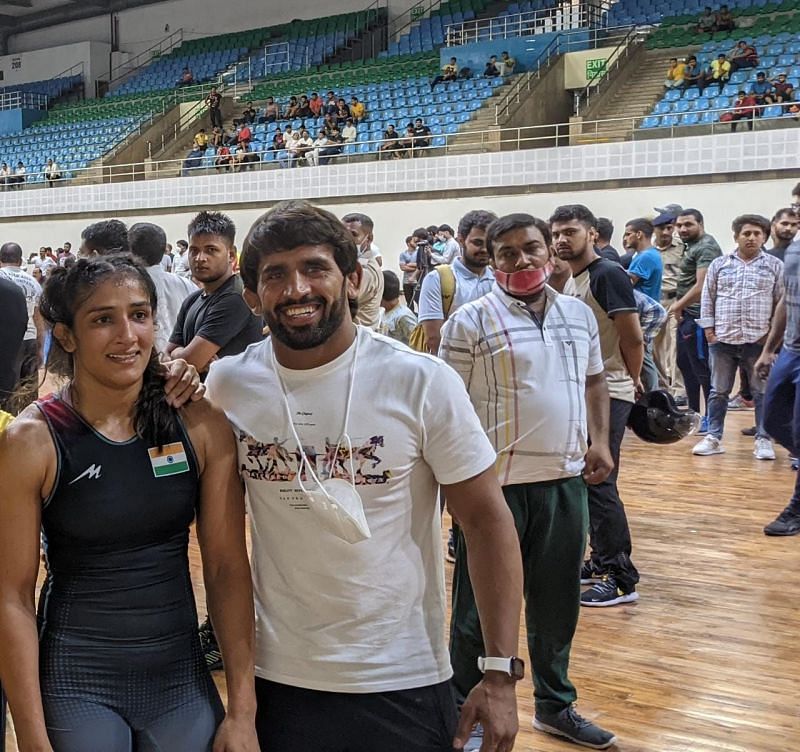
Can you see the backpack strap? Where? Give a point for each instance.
(447, 279)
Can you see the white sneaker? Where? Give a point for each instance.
(708, 445)
(763, 449)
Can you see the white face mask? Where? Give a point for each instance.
(335, 502)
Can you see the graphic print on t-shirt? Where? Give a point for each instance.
(275, 462)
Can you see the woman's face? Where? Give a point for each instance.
(111, 340)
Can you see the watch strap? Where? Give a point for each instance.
(495, 664)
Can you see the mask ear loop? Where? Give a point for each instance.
(345, 433)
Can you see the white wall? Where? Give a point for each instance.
(719, 202)
(40, 65)
(140, 28)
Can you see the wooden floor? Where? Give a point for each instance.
(708, 659)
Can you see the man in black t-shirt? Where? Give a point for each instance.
(422, 138)
(12, 333)
(215, 321)
(214, 102)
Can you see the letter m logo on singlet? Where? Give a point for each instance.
(93, 471)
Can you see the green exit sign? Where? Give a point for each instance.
(418, 11)
(595, 68)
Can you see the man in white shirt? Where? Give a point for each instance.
(320, 142)
(33, 342)
(180, 264)
(530, 359)
(452, 248)
(474, 277)
(349, 132)
(147, 242)
(370, 293)
(350, 607)
(45, 262)
(20, 175)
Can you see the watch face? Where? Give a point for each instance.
(517, 668)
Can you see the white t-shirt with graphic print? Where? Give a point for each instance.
(330, 615)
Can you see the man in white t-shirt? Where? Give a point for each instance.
(531, 361)
(147, 242)
(33, 342)
(473, 277)
(180, 263)
(370, 293)
(350, 608)
(452, 248)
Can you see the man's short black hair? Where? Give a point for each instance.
(391, 285)
(605, 229)
(446, 228)
(760, 74)
(148, 242)
(365, 221)
(213, 223)
(788, 210)
(640, 224)
(10, 253)
(182, 243)
(796, 190)
(751, 219)
(292, 224)
(421, 233)
(692, 213)
(516, 221)
(480, 218)
(108, 236)
(577, 212)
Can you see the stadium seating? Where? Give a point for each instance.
(52, 88)
(778, 53)
(680, 12)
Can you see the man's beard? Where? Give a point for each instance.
(315, 335)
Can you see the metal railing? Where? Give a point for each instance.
(565, 16)
(626, 39)
(18, 100)
(478, 141)
(401, 23)
(240, 75)
(125, 70)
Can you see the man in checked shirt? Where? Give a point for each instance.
(740, 294)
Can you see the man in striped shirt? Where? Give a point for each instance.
(531, 362)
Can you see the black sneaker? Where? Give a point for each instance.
(607, 593)
(451, 546)
(786, 523)
(589, 574)
(574, 727)
(749, 431)
(210, 646)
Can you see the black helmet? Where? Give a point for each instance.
(657, 419)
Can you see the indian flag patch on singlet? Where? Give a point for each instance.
(169, 460)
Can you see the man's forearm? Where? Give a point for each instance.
(495, 569)
(777, 329)
(692, 296)
(598, 408)
(633, 355)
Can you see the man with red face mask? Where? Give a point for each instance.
(510, 347)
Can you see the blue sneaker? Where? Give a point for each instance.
(703, 430)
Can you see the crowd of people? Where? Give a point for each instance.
(198, 379)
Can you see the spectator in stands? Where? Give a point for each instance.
(491, 70)
(304, 108)
(693, 75)
(342, 112)
(278, 143)
(214, 103)
(329, 123)
(744, 108)
(223, 160)
(107, 236)
(217, 137)
(507, 64)
(334, 148)
(725, 20)
(193, 161)
(244, 136)
(245, 158)
(603, 247)
(5, 177)
(449, 73)
(761, 88)
(249, 114)
(349, 132)
(20, 175)
(201, 140)
(187, 77)
(315, 103)
(782, 90)
(320, 143)
(357, 110)
(271, 111)
(708, 21)
(292, 145)
(422, 137)
(331, 105)
(743, 55)
(52, 172)
(391, 142)
(406, 143)
(304, 144)
(287, 134)
(292, 108)
(720, 71)
(675, 73)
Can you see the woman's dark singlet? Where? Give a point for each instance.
(121, 667)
